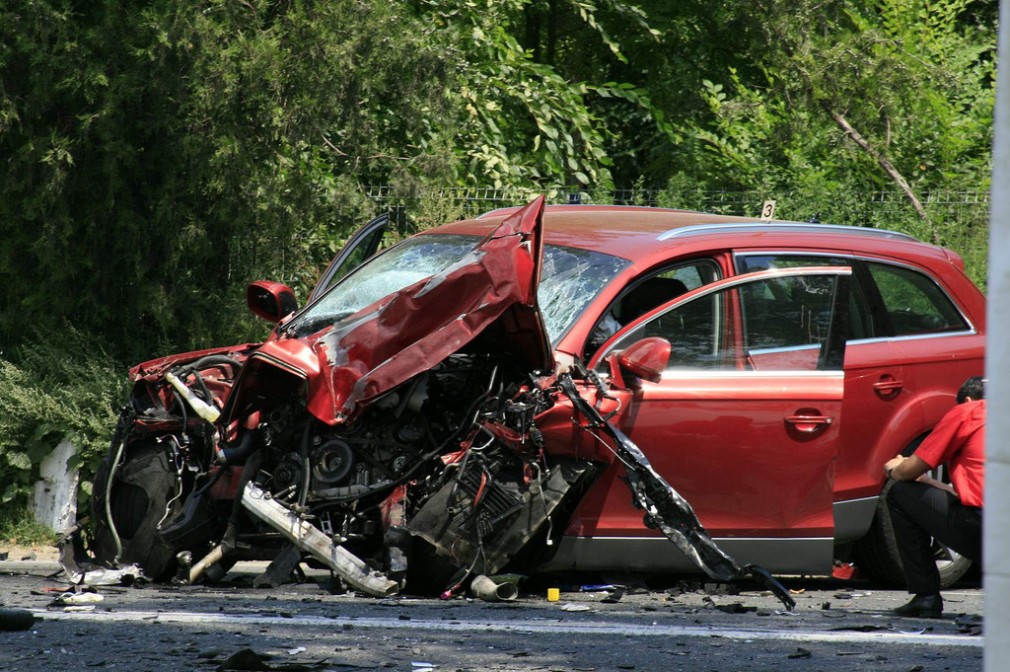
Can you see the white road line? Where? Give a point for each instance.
(537, 626)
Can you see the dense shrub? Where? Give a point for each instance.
(64, 385)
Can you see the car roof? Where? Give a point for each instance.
(635, 232)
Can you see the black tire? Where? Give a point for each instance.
(143, 489)
(877, 557)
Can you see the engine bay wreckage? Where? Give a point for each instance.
(415, 445)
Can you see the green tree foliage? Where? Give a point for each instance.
(653, 55)
(47, 396)
(161, 154)
(855, 97)
(159, 149)
(530, 118)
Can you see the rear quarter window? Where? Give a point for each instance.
(910, 302)
(915, 304)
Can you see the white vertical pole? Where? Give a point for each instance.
(997, 496)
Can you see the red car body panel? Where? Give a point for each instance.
(711, 440)
(154, 369)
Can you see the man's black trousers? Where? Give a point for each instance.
(920, 512)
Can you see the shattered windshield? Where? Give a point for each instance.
(570, 279)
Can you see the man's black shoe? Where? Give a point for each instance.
(922, 606)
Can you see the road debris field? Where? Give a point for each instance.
(617, 624)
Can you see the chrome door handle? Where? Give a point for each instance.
(808, 423)
(888, 387)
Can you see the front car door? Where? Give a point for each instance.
(744, 424)
(376, 235)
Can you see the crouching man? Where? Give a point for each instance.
(922, 508)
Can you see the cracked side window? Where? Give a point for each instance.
(570, 279)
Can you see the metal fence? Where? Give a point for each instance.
(475, 200)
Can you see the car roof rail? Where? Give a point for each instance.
(585, 207)
(784, 227)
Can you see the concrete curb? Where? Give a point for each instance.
(34, 559)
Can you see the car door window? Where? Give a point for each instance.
(783, 323)
(865, 319)
(787, 322)
(915, 304)
(649, 291)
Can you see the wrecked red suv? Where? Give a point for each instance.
(555, 388)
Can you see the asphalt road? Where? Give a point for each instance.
(680, 625)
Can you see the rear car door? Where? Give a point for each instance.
(744, 422)
(909, 347)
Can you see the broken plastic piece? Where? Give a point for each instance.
(72, 598)
(244, 659)
(571, 606)
(845, 572)
(79, 571)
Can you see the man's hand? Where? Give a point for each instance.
(891, 464)
(902, 468)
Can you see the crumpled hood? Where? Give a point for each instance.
(154, 369)
(490, 291)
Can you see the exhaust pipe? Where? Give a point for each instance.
(486, 589)
(309, 538)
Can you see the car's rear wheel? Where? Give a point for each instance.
(877, 556)
(142, 492)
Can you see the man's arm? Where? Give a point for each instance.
(903, 468)
(913, 468)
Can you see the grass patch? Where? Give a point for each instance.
(19, 527)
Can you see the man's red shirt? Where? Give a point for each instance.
(958, 441)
